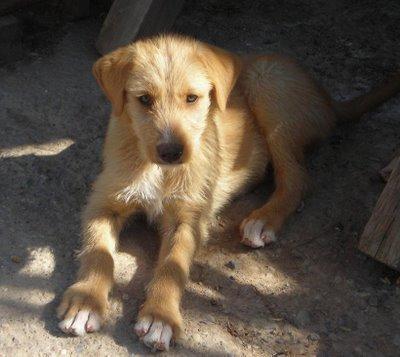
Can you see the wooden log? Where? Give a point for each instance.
(130, 19)
(381, 236)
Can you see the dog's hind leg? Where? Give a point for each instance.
(292, 112)
(291, 180)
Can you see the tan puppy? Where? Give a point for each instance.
(192, 127)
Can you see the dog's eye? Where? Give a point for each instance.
(145, 100)
(191, 98)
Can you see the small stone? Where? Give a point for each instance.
(385, 280)
(345, 329)
(339, 227)
(16, 259)
(231, 265)
(373, 301)
(337, 279)
(302, 318)
(210, 318)
(313, 336)
(364, 294)
(396, 340)
(125, 297)
(197, 338)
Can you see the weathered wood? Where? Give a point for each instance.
(130, 19)
(381, 236)
(387, 170)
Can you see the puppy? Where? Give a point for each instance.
(192, 126)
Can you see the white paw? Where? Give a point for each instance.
(84, 321)
(256, 235)
(154, 333)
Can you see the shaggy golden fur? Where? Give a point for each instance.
(246, 113)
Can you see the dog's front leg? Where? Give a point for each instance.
(84, 303)
(160, 318)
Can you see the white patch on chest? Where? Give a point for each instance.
(147, 190)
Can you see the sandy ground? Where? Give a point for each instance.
(312, 293)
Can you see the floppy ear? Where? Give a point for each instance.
(111, 73)
(223, 69)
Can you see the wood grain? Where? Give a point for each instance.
(381, 236)
(130, 19)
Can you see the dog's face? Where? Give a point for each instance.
(167, 87)
(168, 102)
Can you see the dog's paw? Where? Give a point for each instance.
(256, 234)
(83, 322)
(154, 333)
(81, 310)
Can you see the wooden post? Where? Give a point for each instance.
(130, 19)
(381, 236)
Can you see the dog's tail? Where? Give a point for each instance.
(353, 109)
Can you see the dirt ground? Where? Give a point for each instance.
(312, 293)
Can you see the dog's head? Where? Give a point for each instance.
(167, 86)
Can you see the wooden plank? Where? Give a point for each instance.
(160, 17)
(381, 236)
(386, 171)
(130, 19)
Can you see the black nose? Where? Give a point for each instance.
(170, 152)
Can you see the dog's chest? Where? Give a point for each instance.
(147, 190)
(152, 188)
